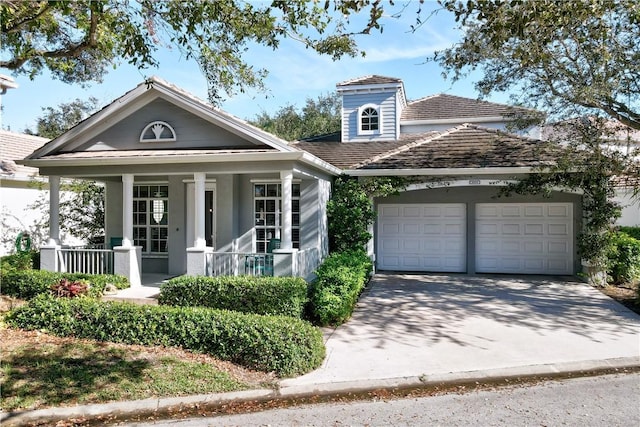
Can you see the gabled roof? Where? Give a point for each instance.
(144, 93)
(16, 146)
(444, 106)
(465, 146)
(370, 80)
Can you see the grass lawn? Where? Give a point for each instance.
(40, 370)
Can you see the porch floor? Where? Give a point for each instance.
(145, 294)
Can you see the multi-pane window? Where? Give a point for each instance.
(268, 214)
(369, 119)
(150, 218)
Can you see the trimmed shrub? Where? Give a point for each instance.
(624, 259)
(340, 280)
(19, 261)
(27, 284)
(283, 296)
(631, 231)
(280, 344)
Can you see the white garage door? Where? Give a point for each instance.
(529, 238)
(422, 237)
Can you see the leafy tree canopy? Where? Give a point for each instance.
(317, 117)
(55, 121)
(77, 41)
(564, 56)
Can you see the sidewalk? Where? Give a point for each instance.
(425, 331)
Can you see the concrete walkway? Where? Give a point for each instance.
(428, 325)
(429, 330)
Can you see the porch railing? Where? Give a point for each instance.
(88, 261)
(259, 264)
(239, 263)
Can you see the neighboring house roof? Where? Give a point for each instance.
(16, 146)
(443, 107)
(465, 146)
(370, 80)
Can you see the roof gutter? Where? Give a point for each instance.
(147, 160)
(441, 171)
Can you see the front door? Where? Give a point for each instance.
(210, 217)
(209, 214)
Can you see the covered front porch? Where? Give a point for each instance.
(264, 223)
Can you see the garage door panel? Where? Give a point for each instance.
(511, 229)
(534, 229)
(432, 237)
(539, 241)
(558, 229)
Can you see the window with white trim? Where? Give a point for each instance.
(150, 218)
(369, 120)
(268, 214)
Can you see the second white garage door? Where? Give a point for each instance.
(527, 238)
(422, 237)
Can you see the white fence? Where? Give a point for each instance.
(88, 261)
(238, 264)
(259, 264)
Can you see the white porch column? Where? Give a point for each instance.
(49, 252)
(127, 210)
(197, 255)
(285, 236)
(127, 259)
(199, 199)
(54, 211)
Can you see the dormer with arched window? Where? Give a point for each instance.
(371, 108)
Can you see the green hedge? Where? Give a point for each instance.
(631, 231)
(27, 284)
(282, 296)
(340, 280)
(19, 261)
(280, 344)
(624, 259)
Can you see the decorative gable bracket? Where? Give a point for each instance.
(158, 131)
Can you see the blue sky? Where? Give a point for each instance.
(295, 73)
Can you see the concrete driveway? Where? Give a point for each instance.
(426, 325)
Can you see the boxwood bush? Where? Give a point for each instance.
(631, 231)
(340, 280)
(624, 259)
(280, 344)
(19, 261)
(27, 284)
(285, 296)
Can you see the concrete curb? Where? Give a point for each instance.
(335, 389)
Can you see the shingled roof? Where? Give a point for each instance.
(443, 106)
(349, 154)
(16, 146)
(370, 80)
(465, 146)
